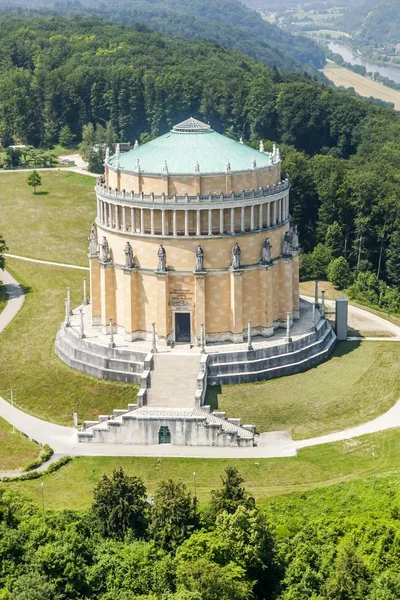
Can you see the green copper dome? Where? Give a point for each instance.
(191, 147)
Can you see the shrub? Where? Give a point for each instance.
(339, 273)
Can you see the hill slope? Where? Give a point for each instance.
(226, 22)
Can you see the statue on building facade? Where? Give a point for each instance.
(92, 240)
(199, 259)
(266, 252)
(295, 238)
(162, 259)
(104, 250)
(286, 244)
(128, 256)
(235, 256)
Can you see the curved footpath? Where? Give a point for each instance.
(63, 440)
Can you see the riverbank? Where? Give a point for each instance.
(362, 85)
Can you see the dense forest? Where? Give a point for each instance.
(342, 154)
(226, 22)
(333, 544)
(373, 22)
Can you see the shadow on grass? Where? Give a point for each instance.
(41, 193)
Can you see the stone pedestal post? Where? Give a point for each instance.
(249, 344)
(153, 338)
(316, 293)
(82, 331)
(323, 304)
(288, 338)
(85, 298)
(112, 343)
(236, 305)
(200, 304)
(67, 315)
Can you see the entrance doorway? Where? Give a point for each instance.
(164, 435)
(182, 327)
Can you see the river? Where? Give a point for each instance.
(349, 56)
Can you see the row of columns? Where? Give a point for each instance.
(109, 215)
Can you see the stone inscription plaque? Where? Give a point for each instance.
(180, 297)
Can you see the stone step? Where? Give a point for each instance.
(187, 427)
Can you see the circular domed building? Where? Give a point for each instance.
(193, 235)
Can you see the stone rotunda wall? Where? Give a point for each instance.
(162, 246)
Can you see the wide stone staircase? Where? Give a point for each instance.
(173, 381)
(169, 411)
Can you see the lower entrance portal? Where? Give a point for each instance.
(164, 435)
(182, 327)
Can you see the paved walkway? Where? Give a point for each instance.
(15, 299)
(64, 169)
(47, 262)
(276, 444)
(363, 320)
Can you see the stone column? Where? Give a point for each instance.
(116, 216)
(200, 304)
(232, 220)
(249, 344)
(107, 294)
(133, 224)
(242, 219)
(274, 213)
(111, 343)
(162, 222)
(268, 206)
(162, 306)
(105, 213)
(323, 304)
(81, 326)
(152, 221)
(209, 222)
(260, 216)
(174, 232)
(67, 321)
(288, 338)
(142, 220)
(221, 221)
(99, 209)
(85, 299)
(186, 223)
(124, 218)
(198, 222)
(236, 305)
(252, 217)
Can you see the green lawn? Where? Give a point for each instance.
(359, 382)
(42, 384)
(16, 450)
(72, 486)
(53, 224)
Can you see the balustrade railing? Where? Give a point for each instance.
(262, 192)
